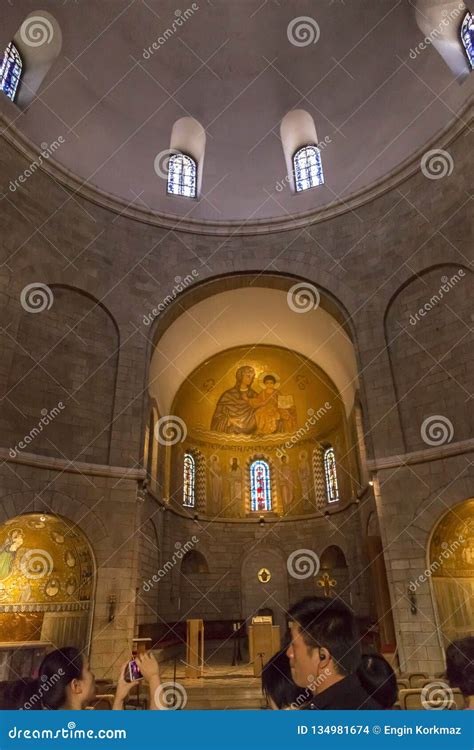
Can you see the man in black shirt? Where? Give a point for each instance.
(325, 655)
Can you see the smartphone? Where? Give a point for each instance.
(132, 673)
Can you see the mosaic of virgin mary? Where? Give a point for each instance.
(234, 414)
(242, 410)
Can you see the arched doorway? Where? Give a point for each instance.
(260, 592)
(451, 569)
(194, 584)
(47, 574)
(334, 580)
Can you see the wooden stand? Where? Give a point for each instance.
(194, 648)
(264, 641)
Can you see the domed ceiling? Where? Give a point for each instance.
(237, 67)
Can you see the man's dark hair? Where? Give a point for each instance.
(460, 665)
(269, 377)
(378, 679)
(329, 623)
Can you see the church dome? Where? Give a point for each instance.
(136, 79)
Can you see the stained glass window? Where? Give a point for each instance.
(260, 491)
(189, 480)
(330, 474)
(308, 168)
(10, 71)
(467, 37)
(182, 171)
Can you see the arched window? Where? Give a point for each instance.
(467, 37)
(182, 174)
(10, 71)
(308, 168)
(330, 475)
(260, 490)
(189, 481)
(319, 477)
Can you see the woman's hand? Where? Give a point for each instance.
(149, 668)
(123, 689)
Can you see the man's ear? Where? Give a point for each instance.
(325, 657)
(76, 686)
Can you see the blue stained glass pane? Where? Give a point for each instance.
(330, 474)
(189, 479)
(10, 71)
(467, 37)
(182, 172)
(260, 491)
(308, 168)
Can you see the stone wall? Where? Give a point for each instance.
(377, 263)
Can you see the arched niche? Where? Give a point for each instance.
(450, 570)
(333, 563)
(47, 581)
(428, 330)
(297, 129)
(440, 22)
(39, 42)
(62, 379)
(194, 562)
(195, 581)
(258, 594)
(189, 137)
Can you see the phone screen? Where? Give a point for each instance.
(133, 673)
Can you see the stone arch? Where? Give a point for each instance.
(421, 325)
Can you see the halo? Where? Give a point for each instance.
(264, 375)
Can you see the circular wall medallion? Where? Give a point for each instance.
(264, 575)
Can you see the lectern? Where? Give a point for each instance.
(264, 641)
(194, 648)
